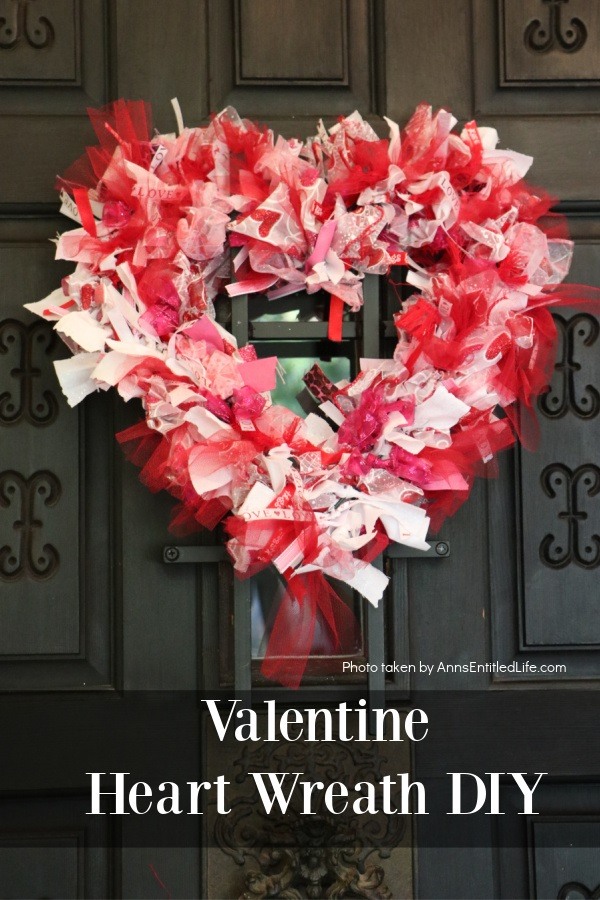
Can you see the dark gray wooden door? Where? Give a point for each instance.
(88, 607)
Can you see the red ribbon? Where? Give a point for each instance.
(336, 311)
(307, 598)
(84, 206)
(160, 883)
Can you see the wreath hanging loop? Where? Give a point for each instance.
(389, 453)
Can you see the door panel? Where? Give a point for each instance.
(57, 581)
(544, 565)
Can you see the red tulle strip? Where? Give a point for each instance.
(125, 123)
(139, 443)
(575, 295)
(307, 598)
(163, 468)
(471, 454)
(375, 547)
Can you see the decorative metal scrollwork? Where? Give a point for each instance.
(564, 398)
(298, 856)
(43, 488)
(541, 38)
(571, 483)
(311, 871)
(575, 890)
(25, 341)
(21, 25)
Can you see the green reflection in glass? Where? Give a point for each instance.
(295, 369)
(296, 308)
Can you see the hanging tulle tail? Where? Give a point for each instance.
(308, 599)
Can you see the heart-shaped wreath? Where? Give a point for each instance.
(397, 448)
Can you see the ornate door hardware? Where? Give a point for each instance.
(21, 25)
(542, 37)
(574, 485)
(26, 494)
